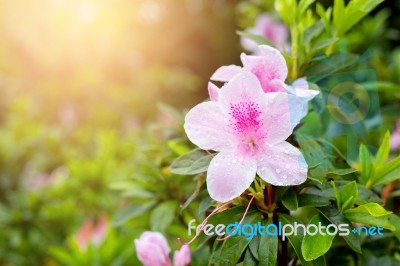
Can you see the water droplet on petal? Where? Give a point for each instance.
(277, 170)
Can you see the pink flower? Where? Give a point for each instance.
(269, 66)
(182, 257)
(395, 138)
(152, 250)
(274, 31)
(89, 232)
(248, 128)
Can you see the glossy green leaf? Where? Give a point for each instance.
(370, 213)
(315, 246)
(295, 242)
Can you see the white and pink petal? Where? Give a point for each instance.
(282, 165)
(277, 120)
(213, 91)
(226, 73)
(206, 127)
(229, 175)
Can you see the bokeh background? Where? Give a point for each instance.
(92, 93)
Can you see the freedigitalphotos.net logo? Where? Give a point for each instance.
(282, 230)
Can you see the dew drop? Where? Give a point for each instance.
(277, 170)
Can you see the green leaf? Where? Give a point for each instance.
(364, 195)
(383, 153)
(370, 213)
(255, 37)
(322, 66)
(131, 189)
(325, 16)
(315, 246)
(249, 260)
(387, 173)
(337, 218)
(289, 200)
(366, 165)
(295, 242)
(395, 220)
(253, 246)
(312, 31)
(355, 11)
(314, 156)
(324, 43)
(233, 248)
(348, 195)
(162, 216)
(338, 15)
(200, 183)
(133, 211)
(337, 195)
(268, 250)
(287, 10)
(304, 5)
(312, 200)
(194, 162)
(343, 171)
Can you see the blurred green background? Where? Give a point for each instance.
(79, 83)
(85, 93)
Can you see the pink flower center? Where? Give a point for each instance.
(246, 121)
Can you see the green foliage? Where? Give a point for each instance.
(322, 242)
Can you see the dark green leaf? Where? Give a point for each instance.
(194, 162)
(312, 200)
(233, 247)
(249, 260)
(337, 218)
(268, 250)
(289, 200)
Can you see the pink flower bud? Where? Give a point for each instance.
(182, 257)
(152, 249)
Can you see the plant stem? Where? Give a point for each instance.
(295, 48)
